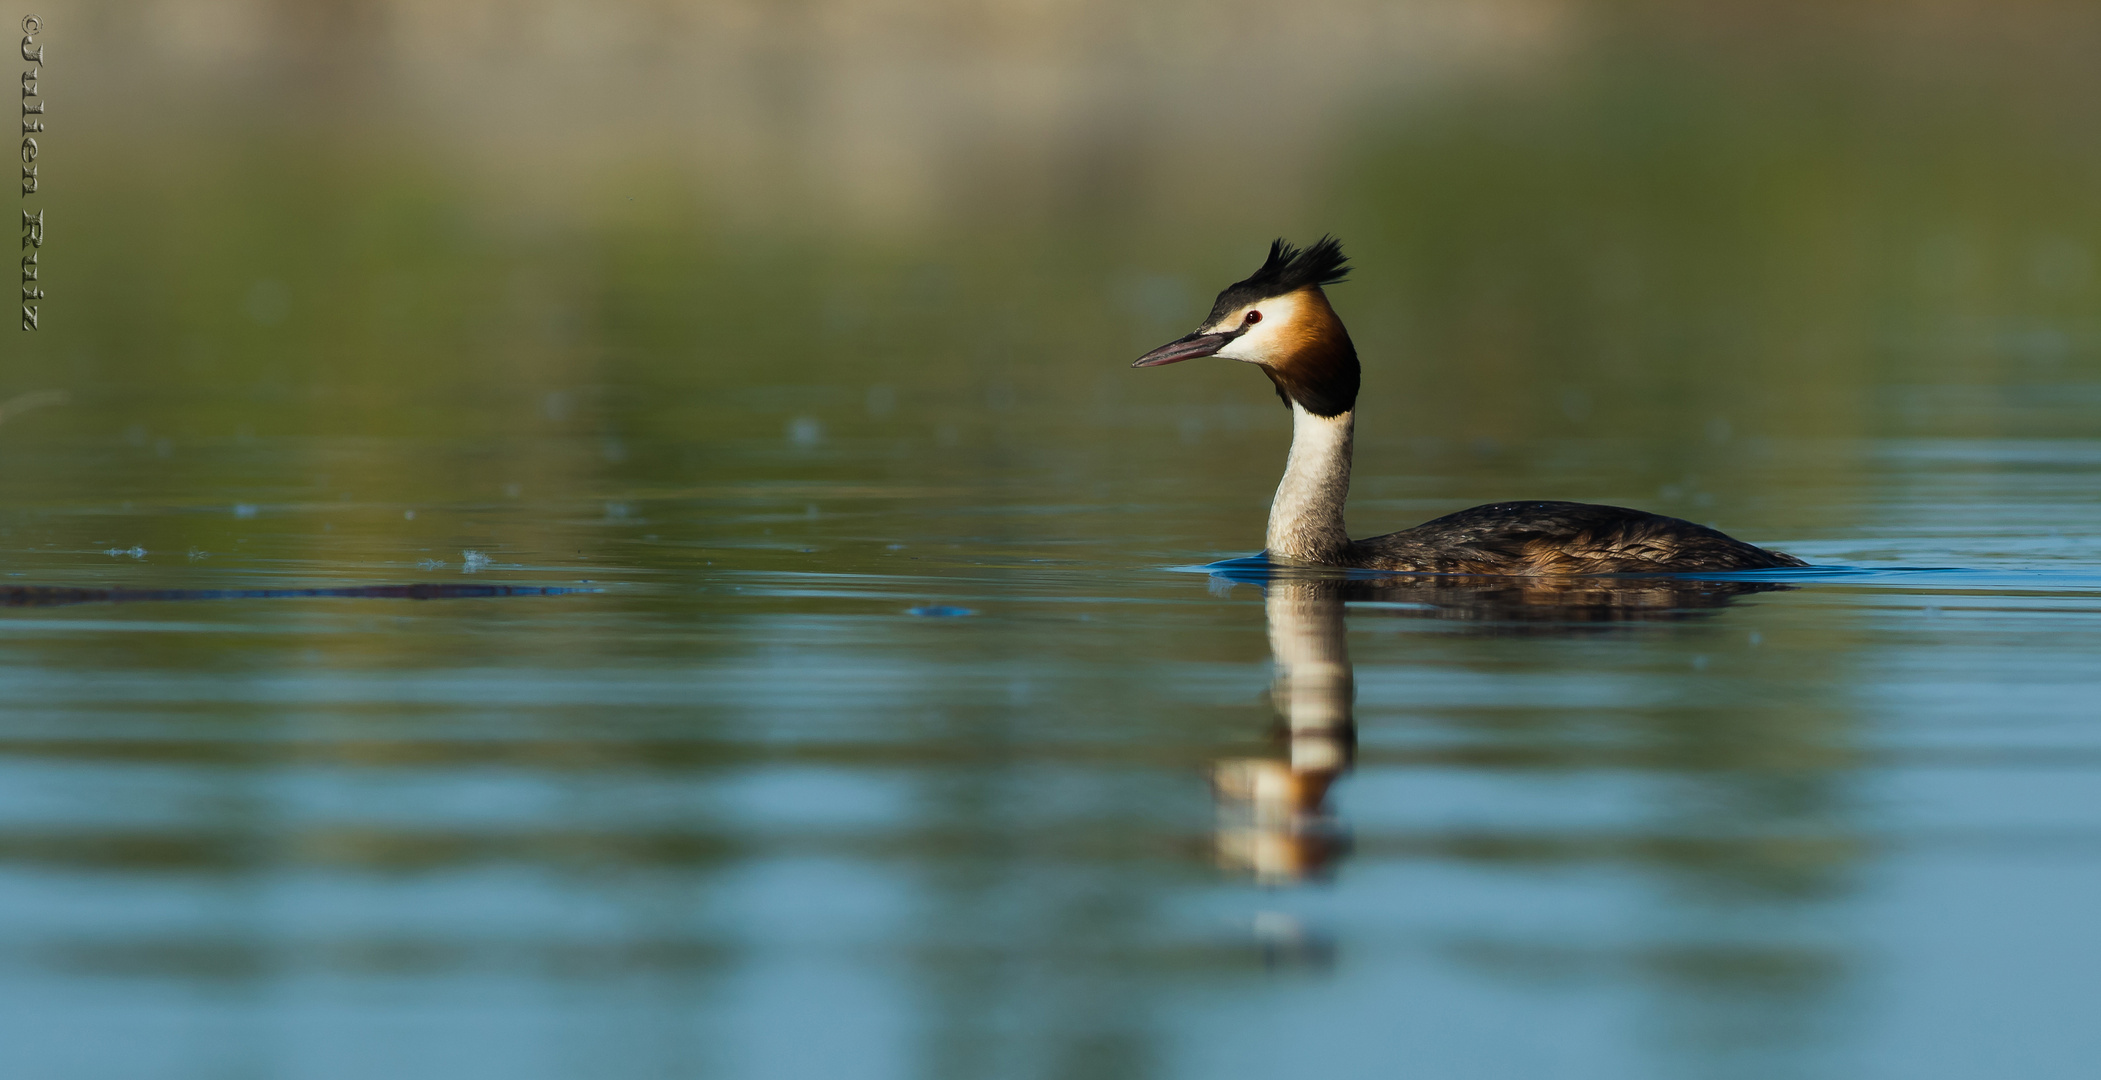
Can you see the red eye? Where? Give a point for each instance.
(1254, 317)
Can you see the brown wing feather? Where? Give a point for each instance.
(1557, 538)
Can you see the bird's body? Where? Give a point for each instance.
(1559, 538)
(1280, 320)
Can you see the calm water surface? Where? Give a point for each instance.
(737, 810)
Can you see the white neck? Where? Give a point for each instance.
(1305, 521)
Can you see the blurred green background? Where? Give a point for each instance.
(950, 223)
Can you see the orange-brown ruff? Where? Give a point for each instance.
(1279, 319)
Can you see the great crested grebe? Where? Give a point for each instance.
(1279, 320)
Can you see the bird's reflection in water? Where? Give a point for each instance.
(1274, 819)
(1273, 815)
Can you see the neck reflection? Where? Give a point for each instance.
(1274, 820)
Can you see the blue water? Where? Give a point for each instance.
(723, 806)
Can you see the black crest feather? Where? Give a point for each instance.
(1288, 269)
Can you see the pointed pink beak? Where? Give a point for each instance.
(1184, 348)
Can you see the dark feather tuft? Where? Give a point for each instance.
(1288, 269)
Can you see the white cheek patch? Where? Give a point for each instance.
(1262, 343)
(1246, 350)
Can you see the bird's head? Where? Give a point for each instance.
(1279, 319)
